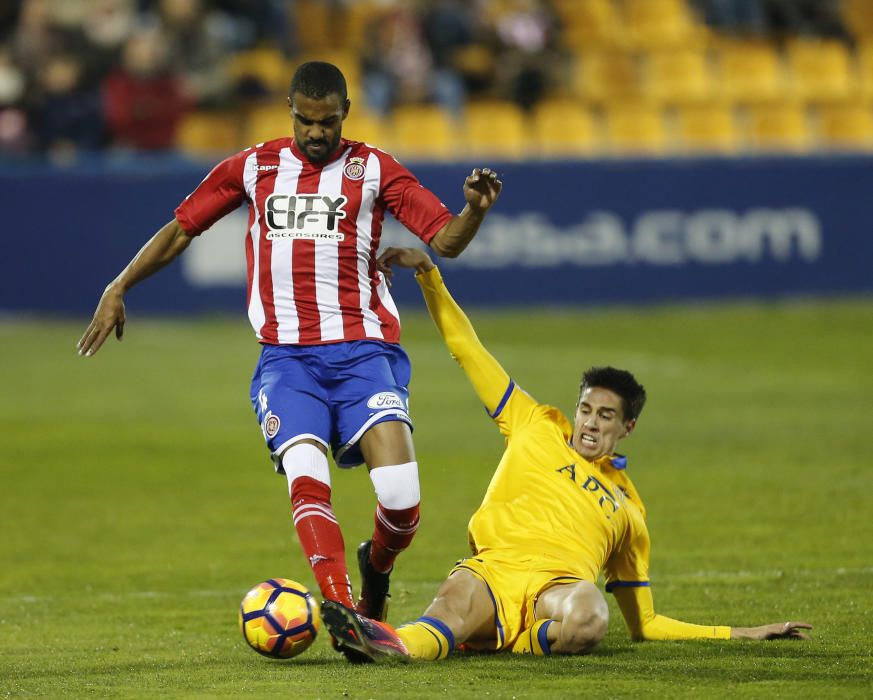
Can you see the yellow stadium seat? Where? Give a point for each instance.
(653, 24)
(636, 129)
(588, 23)
(604, 76)
(678, 76)
(858, 17)
(425, 131)
(709, 128)
(268, 65)
(363, 125)
(750, 71)
(265, 123)
(779, 127)
(865, 69)
(315, 23)
(846, 127)
(495, 129)
(203, 133)
(564, 128)
(820, 71)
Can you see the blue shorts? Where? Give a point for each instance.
(330, 393)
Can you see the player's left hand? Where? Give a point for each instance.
(777, 630)
(481, 189)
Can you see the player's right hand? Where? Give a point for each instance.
(109, 315)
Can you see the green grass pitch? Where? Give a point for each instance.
(138, 505)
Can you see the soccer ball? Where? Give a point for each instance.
(279, 618)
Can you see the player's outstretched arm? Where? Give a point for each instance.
(165, 246)
(638, 610)
(481, 190)
(488, 378)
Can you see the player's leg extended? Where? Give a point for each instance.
(295, 419)
(387, 449)
(572, 619)
(305, 464)
(462, 610)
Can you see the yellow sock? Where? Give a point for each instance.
(427, 639)
(534, 640)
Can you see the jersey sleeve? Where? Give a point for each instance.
(506, 403)
(627, 578)
(220, 192)
(414, 206)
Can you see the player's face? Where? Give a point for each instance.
(599, 424)
(318, 124)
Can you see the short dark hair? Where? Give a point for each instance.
(317, 79)
(620, 381)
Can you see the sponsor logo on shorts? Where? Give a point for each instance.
(354, 169)
(386, 399)
(271, 424)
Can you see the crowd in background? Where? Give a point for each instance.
(82, 75)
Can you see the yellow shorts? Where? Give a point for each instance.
(514, 585)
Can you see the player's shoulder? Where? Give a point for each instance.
(362, 149)
(273, 146)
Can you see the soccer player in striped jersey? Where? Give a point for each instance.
(331, 375)
(560, 510)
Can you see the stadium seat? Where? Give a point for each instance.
(865, 70)
(315, 23)
(266, 122)
(564, 128)
(779, 127)
(820, 71)
(267, 65)
(858, 18)
(709, 128)
(635, 129)
(425, 131)
(363, 125)
(846, 127)
(605, 76)
(206, 133)
(750, 71)
(678, 76)
(495, 129)
(652, 24)
(588, 23)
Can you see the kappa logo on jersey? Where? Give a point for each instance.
(266, 167)
(304, 216)
(385, 399)
(271, 424)
(354, 169)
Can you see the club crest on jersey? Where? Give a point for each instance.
(355, 169)
(312, 216)
(271, 424)
(385, 399)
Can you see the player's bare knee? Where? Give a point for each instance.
(583, 629)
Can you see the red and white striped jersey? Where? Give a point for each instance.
(313, 235)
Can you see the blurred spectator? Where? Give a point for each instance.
(14, 136)
(143, 100)
(775, 18)
(733, 16)
(198, 43)
(459, 42)
(69, 117)
(398, 67)
(529, 60)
